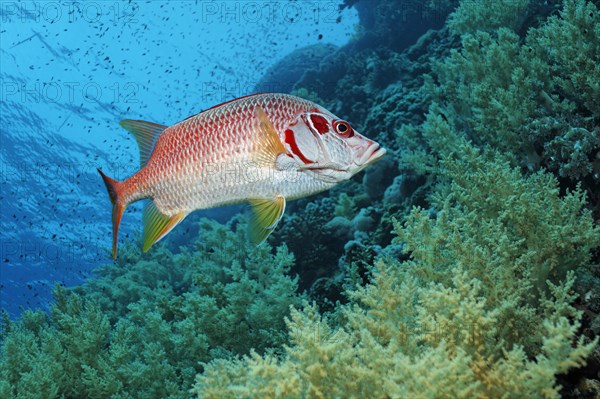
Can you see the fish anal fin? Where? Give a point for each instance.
(269, 145)
(157, 225)
(266, 213)
(146, 134)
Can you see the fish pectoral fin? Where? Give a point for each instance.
(266, 213)
(157, 225)
(146, 134)
(269, 145)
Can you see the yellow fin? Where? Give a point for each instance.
(146, 134)
(157, 225)
(266, 213)
(269, 144)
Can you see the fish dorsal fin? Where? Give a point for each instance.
(269, 144)
(266, 213)
(157, 225)
(146, 134)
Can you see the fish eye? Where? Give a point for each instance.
(343, 129)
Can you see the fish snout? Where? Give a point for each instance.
(372, 153)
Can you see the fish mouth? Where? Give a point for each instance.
(372, 154)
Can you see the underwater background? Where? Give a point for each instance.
(464, 264)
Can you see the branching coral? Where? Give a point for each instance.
(513, 233)
(535, 99)
(472, 299)
(486, 299)
(471, 314)
(168, 313)
(484, 307)
(486, 15)
(571, 43)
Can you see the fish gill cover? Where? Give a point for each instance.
(464, 264)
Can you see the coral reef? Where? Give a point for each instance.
(488, 15)
(465, 265)
(375, 86)
(465, 305)
(486, 297)
(139, 330)
(534, 98)
(281, 77)
(392, 24)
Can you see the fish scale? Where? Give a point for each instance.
(250, 149)
(194, 157)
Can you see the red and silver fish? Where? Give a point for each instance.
(263, 149)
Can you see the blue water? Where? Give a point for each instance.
(71, 71)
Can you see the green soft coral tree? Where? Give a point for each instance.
(525, 236)
(484, 306)
(535, 98)
(473, 313)
(471, 16)
(140, 330)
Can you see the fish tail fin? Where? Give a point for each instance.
(114, 189)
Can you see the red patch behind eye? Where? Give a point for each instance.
(319, 123)
(291, 140)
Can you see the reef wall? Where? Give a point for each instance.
(463, 265)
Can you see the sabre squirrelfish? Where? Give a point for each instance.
(263, 149)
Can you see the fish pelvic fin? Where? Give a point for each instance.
(269, 145)
(157, 225)
(266, 213)
(146, 135)
(114, 189)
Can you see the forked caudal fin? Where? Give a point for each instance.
(156, 224)
(114, 190)
(146, 134)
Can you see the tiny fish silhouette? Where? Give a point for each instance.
(263, 149)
